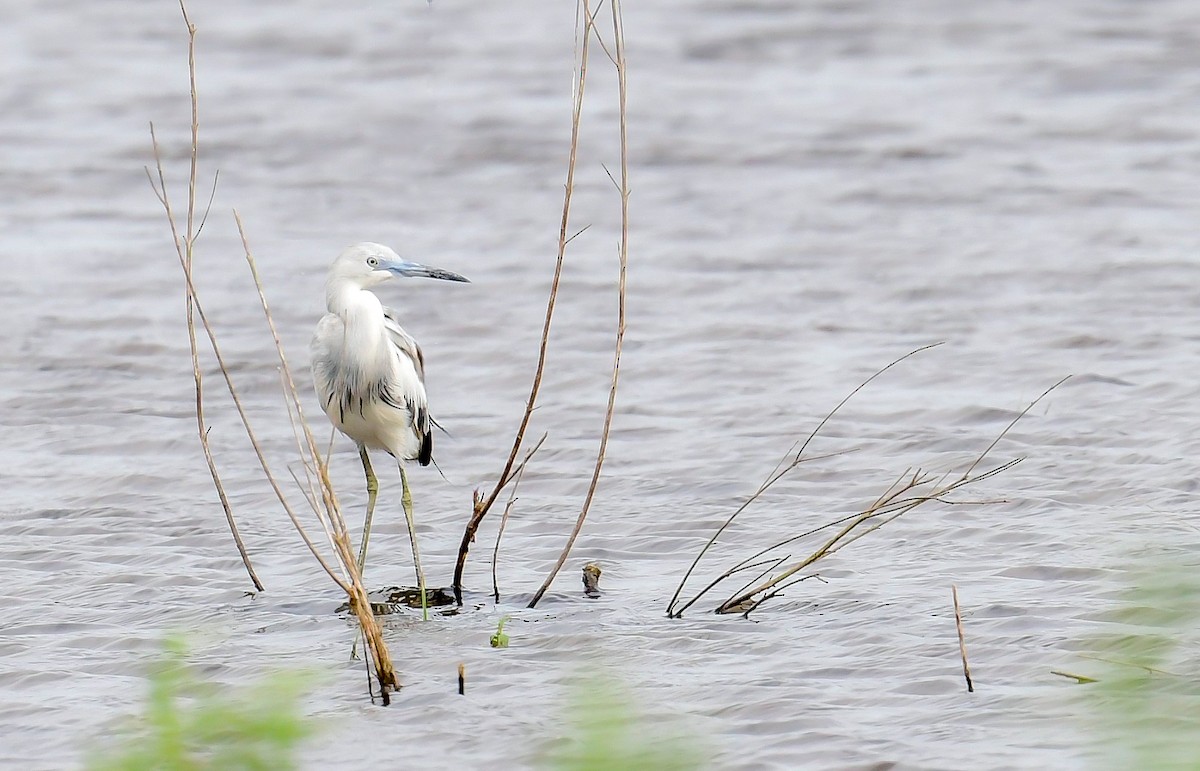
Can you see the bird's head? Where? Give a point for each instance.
(365, 265)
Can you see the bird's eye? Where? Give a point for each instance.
(373, 261)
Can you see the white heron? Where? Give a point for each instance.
(370, 374)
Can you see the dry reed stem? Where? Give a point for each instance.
(895, 503)
(508, 507)
(623, 255)
(899, 498)
(184, 249)
(233, 392)
(257, 447)
(338, 534)
(778, 590)
(962, 641)
(483, 504)
(1120, 663)
(743, 601)
(329, 514)
(1079, 679)
(770, 565)
(308, 487)
(779, 472)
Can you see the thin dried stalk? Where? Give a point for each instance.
(1079, 679)
(904, 495)
(786, 464)
(962, 642)
(329, 514)
(508, 507)
(770, 565)
(1135, 665)
(900, 501)
(184, 248)
(483, 504)
(778, 590)
(743, 602)
(512, 499)
(229, 384)
(623, 254)
(333, 521)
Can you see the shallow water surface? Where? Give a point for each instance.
(817, 188)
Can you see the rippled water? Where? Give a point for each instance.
(817, 188)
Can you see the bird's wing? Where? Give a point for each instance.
(413, 394)
(404, 342)
(324, 358)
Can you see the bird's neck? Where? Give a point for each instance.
(360, 312)
(342, 298)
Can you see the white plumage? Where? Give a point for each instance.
(368, 372)
(370, 377)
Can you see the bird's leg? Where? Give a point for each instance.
(406, 500)
(372, 493)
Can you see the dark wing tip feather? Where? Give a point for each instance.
(425, 456)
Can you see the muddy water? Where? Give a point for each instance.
(817, 188)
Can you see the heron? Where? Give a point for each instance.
(369, 374)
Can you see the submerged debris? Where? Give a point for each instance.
(591, 579)
(394, 599)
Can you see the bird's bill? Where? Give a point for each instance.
(417, 270)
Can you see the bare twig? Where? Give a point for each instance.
(327, 508)
(623, 255)
(899, 500)
(212, 194)
(1079, 679)
(1012, 423)
(233, 392)
(779, 472)
(483, 504)
(911, 490)
(330, 514)
(772, 565)
(578, 233)
(1118, 662)
(184, 249)
(778, 591)
(496, 550)
(749, 562)
(512, 499)
(962, 642)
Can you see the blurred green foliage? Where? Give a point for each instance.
(1145, 705)
(500, 639)
(608, 734)
(191, 724)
